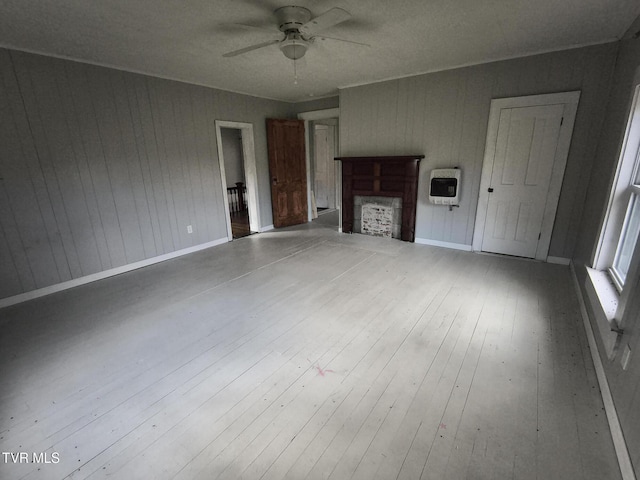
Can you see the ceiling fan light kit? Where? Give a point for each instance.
(294, 46)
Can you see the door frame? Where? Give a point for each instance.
(308, 117)
(570, 102)
(250, 173)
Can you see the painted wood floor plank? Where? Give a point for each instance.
(304, 353)
(427, 395)
(299, 437)
(326, 461)
(191, 365)
(490, 404)
(329, 330)
(377, 393)
(44, 376)
(293, 313)
(312, 368)
(373, 353)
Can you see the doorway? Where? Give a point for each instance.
(236, 155)
(236, 182)
(323, 172)
(322, 152)
(527, 146)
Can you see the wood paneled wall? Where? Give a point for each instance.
(444, 116)
(102, 168)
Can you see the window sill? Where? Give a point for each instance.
(603, 297)
(607, 293)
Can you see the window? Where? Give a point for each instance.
(617, 251)
(628, 237)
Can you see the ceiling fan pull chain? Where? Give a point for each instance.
(295, 73)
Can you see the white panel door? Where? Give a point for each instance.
(525, 151)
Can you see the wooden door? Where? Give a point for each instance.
(525, 151)
(287, 167)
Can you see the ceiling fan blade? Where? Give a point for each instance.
(252, 47)
(322, 37)
(328, 19)
(248, 26)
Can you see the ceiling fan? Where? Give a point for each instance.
(299, 29)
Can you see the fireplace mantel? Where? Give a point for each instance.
(386, 176)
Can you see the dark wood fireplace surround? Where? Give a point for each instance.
(388, 176)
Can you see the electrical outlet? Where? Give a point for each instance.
(189, 229)
(626, 356)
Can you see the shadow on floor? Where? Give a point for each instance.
(240, 224)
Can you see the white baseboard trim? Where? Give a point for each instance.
(438, 243)
(76, 282)
(559, 260)
(624, 461)
(267, 228)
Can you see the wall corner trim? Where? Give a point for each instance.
(624, 460)
(76, 282)
(438, 243)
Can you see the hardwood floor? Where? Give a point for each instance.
(328, 218)
(303, 353)
(240, 224)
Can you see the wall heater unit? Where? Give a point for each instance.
(444, 186)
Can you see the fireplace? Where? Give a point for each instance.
(388, 177)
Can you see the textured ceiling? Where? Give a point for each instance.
(185, 39)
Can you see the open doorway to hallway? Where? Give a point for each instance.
(236, 181)
(323, 172)
(323, 140)
(236, 155)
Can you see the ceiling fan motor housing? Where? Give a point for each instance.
(292, 18)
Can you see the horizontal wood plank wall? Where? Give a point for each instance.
(444, 115)
(103, 168)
